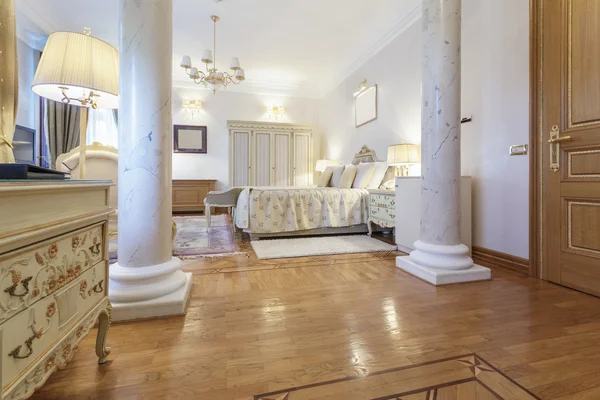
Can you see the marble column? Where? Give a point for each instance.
(147, 280)
(439, 257)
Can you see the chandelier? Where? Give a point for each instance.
(212, 78)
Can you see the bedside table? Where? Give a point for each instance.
(382, 209)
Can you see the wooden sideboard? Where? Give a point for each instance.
(53, 277)
(188, 195)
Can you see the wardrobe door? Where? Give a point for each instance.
(282, 159)
(302, 160)
(262, 158)
(240, 158)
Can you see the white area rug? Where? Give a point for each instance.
(318, 246)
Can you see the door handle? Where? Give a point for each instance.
(554, 142)
(559, 139)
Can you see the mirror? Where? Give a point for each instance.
(189, 139)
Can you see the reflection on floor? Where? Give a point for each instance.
(256, 327)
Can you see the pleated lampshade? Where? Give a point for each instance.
(80, 63)
(404, 154)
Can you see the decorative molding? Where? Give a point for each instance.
(492, 258)
(402, 25)
(269, 126)
(570, 244)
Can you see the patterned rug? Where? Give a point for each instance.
(192, 240)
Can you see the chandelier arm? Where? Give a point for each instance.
(231, 78)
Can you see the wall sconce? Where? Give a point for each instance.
(361, 88)
(192, 107)
(276, 112)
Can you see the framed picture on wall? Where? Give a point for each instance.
(189, 139)
(365, 106)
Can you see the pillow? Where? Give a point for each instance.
(379, 171)
(363, 175)
(325, 178)
(336, 174)
(347, 177)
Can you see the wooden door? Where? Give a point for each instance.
(281, 159)
(240, 166)
(262, 159)
(570, 166)
(302, 160)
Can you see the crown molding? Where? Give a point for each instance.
(409, 19)
(270, 126)
(261, 87)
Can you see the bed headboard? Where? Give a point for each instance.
(365, 155)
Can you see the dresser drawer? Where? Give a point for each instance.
(30, 274)
(383, 201)
(27, 335)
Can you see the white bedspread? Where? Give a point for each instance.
(270, 210)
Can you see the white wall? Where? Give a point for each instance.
(217, 110)
(396, 70)
(495, 84)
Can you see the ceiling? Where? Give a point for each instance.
(290, 47)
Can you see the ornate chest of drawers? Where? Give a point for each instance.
(53, 277)
(382, 209)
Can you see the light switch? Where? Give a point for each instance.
(518, 150)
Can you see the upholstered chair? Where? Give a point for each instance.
(101, 164)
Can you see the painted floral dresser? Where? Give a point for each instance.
(382, 209)
(53, 277)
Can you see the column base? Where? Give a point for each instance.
(172, 304)
(443, 276)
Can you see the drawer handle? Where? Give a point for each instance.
(16, 278)
(95, 249)
(97, 288)
(29, 343)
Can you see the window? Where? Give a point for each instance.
(102, 127)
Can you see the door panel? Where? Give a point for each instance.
(262, 159)
(240, 175)
(302, 170)
(282, 159)
(584, 79)
(571, 169)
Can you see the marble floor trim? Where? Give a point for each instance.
(492, 382)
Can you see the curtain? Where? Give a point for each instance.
(9, 83)
(102, 128)
(63, 128)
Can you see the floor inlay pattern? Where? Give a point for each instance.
(467, 377)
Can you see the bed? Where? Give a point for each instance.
(267, 212)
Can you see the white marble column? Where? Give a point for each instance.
(439, 257)
(147, 280)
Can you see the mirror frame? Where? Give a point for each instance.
(202, 131)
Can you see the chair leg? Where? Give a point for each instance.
(207, 218)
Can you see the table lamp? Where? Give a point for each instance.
(403, 155)
(81, 70)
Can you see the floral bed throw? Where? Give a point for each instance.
(272, 210)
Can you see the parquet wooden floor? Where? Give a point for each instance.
(333, 327)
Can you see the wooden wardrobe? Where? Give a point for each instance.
(270, 154)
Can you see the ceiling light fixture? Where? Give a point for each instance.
(212, 78)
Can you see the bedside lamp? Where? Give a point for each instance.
(403, 155)
(81, 70)
(323, 164)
